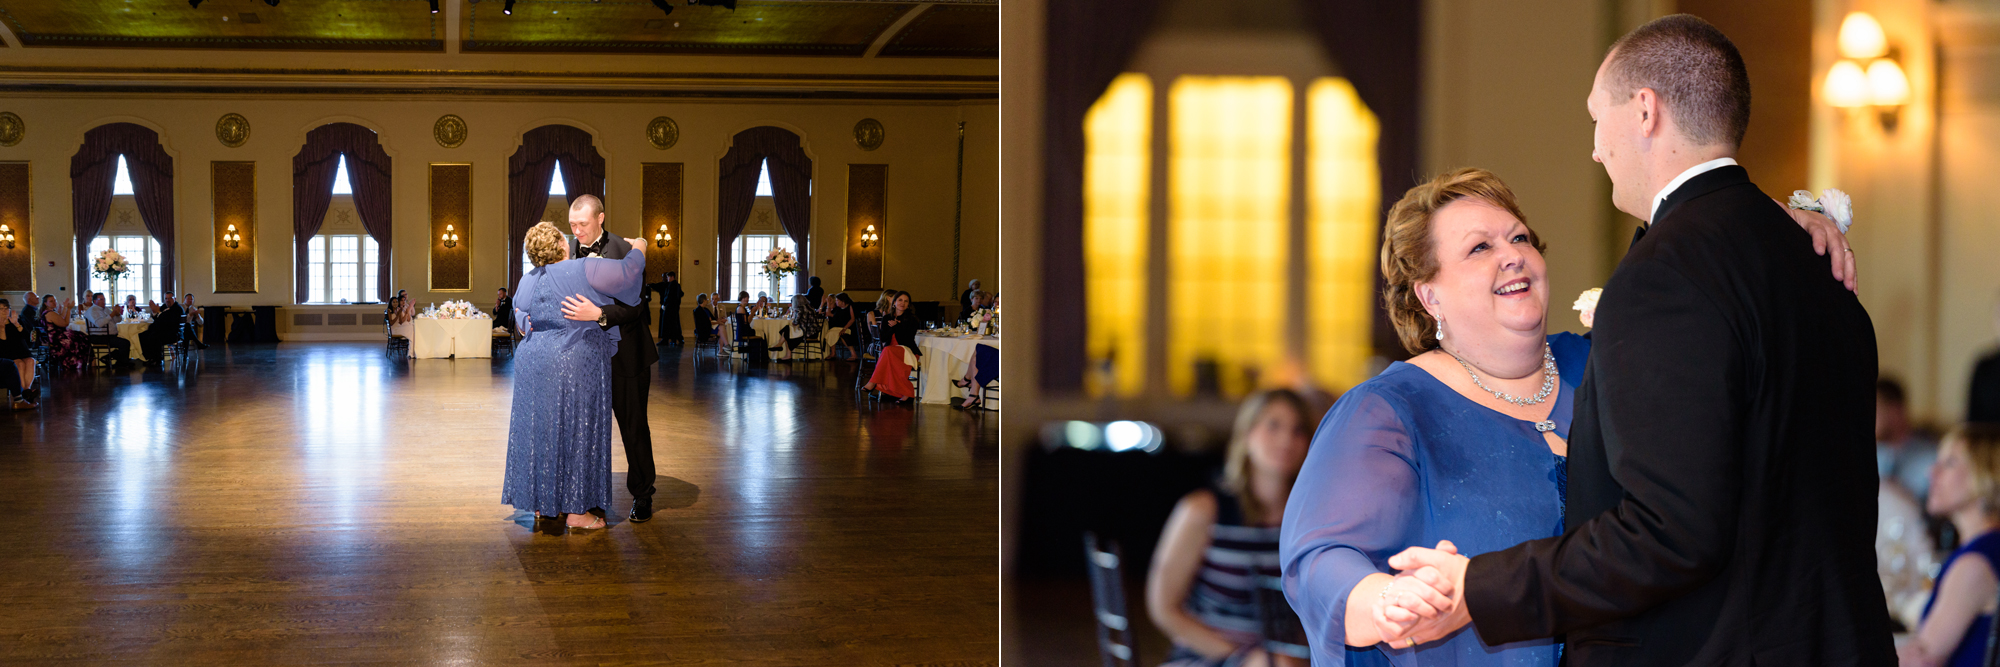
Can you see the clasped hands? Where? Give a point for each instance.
(1426, 599)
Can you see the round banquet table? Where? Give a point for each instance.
(769, 328)
(946, 358)
(468, 338)
(130, 331)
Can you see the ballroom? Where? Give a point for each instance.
(1202, 224)
(290, 447)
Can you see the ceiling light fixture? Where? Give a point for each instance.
(194, 4)
(434, 6)
(272, 3)
(729, 4)
(664, 7)
(508, 9)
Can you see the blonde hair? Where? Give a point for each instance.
(1236, 467)
(545, 244)
(1982, 456)
(1409, 255)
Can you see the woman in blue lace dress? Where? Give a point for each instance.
(559, 436)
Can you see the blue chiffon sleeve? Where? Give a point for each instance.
(615, 279)
(525, 286)
(1355, 504)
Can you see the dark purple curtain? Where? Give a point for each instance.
(791, 192)
(528, 175)
(313, 170)
(1088, 45)
(1379, 47)
(91, 172)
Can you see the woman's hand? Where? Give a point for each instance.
(1827, 240)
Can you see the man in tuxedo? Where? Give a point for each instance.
(165, 329)
(503, 308)
(630, 376)
(1721, 479)
(669, 288)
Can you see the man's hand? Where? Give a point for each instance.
(581, 309)
(1425, 602)
(1827, 240)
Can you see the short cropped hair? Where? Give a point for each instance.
(1696, 71)
(1409, 255)
(587, 203)
(545, 245)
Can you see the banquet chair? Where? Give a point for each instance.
(397, 343)
(813, 347)
(746, 345)
(989, 397)
(102, 355)
(1279, 625)
(865, 366)
(1107, 596)
(503, 339)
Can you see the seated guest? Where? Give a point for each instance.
(67, 348)
(1965, 487)
(764, 307)
(896, 330)
(985, 368)
(102, 325)
(872, 323)
(704, 320)
(1219, 539)
(31, 311)
(815, 295)
(840, 315)
(1902, 455)
(805, 324)
(14, 348)
(131, 309)
(504, 309)
(965, 304)
(194, 320)
(165, 330)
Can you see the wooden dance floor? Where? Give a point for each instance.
(322, 503)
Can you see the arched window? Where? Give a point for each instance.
(141, 251)
(557, 195)
(746, 256)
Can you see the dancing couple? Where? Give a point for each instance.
(1692, 484)
(583, 362)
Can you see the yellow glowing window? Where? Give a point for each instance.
(1229, 174)
(1117, 138)
(1342, 200)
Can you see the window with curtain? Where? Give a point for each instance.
(342, 268)
(1228, 226)
(121, 183)
(555, 190)
(142, 256)
(747, 266)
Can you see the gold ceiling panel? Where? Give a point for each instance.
(636, 26)
(949, 31)
(375, 25)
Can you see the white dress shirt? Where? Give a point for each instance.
(1682, 179)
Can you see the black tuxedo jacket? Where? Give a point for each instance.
(635, 338)
(1721, 495)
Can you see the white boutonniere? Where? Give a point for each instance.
(1834, 203)
(1586, 306)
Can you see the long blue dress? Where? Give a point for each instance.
(559, 436)
(1403, 460)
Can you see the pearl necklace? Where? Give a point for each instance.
(1549, 376)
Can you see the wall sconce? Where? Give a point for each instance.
(662, 238)
(231, 238)
(7, 236)
(450, 238)
(1868, 73)
(870, 237)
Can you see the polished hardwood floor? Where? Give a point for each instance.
(323, 503)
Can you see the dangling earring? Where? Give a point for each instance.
(1440, 329)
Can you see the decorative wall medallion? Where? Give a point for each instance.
(663, 132)
(11, 128)
(232, 130)
(868, 134)
(449, 131)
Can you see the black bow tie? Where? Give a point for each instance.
(596, 248)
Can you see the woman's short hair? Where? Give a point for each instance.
(701, 298)
(1236, 466)
(1409, 255)
(1982, 458)
(545, 244)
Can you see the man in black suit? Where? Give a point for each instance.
(1721, 477)
(670, 291)
(503, 308)
(630, 378)
(165, 329)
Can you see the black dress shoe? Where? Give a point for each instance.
(642, 510)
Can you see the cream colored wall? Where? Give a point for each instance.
(1504, 85)
(920, 148)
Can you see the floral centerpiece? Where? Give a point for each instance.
(984, 319)
(780, 263)
(455, 310)
(109, 266)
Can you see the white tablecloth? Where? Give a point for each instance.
(130, 331)
(465, 339)
(946, 358)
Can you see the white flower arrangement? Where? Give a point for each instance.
(1834, 203)
(780, 263)
(454, 310)
(1586, 306)
(109, 265)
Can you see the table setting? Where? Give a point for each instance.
(456, 329)
(948, 351)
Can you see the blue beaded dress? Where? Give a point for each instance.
(1403, 460)
(559, 435)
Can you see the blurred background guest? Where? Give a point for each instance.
(1965, 486)
(1220, 540)
(815, 295)
(195, 320)
(67, 347)
(704, 320)
(165, 329)
(1982, 403)
(840, 315)
(1902, 453)
(670, 291)
(965, 298)
(806, 324)
(31, 311)
(14, 349)
(503, 308)
(896, 330)
(101, 326)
